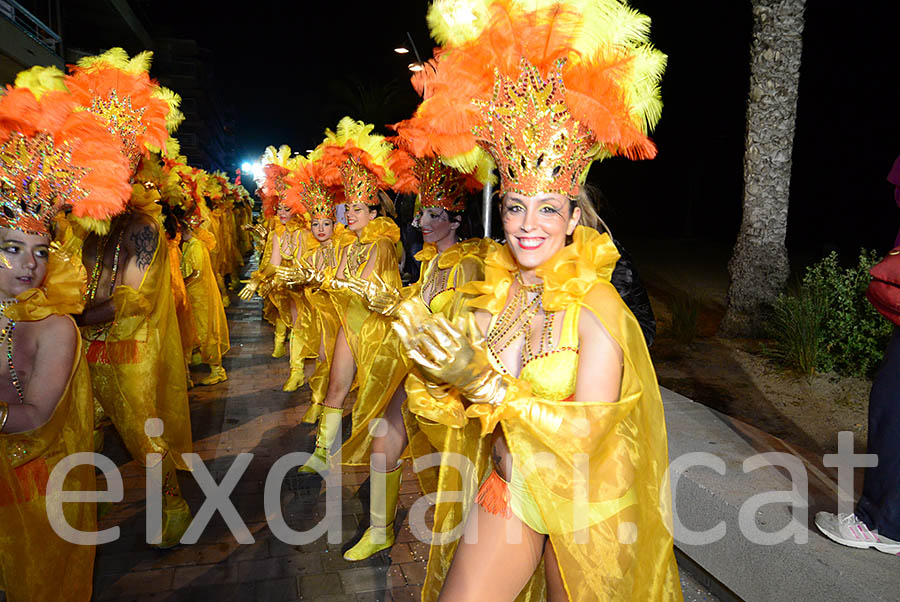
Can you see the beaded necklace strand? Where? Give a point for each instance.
(435, 282)
(516, 320)
(6, 335)
(97, 270)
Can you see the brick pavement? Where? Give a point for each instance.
(250, 413)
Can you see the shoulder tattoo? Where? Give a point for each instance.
(144, 245)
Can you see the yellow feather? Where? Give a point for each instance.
(40, 80)
(455, 22)
(174, 117)
(118, 58)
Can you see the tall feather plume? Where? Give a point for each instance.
(611, 73)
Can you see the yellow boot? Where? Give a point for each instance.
(216, 375)
(176, 516)
(384, 491)
(280, 336)
(329, 427)
(295, 380)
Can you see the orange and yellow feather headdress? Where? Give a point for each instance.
(277, 164)
(120, 91)
(308, 193)
(355, 158)
(53, 157)
(545, 87)
(434, 183)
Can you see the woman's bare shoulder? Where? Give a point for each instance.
(54, 329)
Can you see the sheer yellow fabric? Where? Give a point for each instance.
(381, 364)
(264, 271)
(137, 364)
(35, 563)
(206, 304)
(293, 240)
(597, 471)
(189, 339)
(324, 257)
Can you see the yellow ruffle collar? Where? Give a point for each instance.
(567, 276)
(380, 227)
(478, 247)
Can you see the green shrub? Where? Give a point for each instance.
(851, 336)
(685, 309)
(796, 326)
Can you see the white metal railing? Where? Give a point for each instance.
(31, 25)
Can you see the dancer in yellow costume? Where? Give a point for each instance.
(261, 279)
(157, 175)
(290, 238)
(328, 237)
(129, 324)
(357, 160)
(189, 338)
(205, 301)
(54, 158)
(552, 364)
(447, 264)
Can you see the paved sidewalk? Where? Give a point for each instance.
(251, 414)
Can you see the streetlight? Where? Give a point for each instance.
(403, 49)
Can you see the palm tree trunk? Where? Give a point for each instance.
(759, 267)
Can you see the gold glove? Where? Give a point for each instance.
(445, 354)
(300, 276)
(249, 290)
(378, 295)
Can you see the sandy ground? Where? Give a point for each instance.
(733, 375)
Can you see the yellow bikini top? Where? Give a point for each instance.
(551, 374)
(567, 277)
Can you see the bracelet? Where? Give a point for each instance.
(4, 414)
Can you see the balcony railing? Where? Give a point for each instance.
(31, 25)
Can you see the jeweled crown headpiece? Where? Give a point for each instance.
(119, 91)
(573, 81)
(318, 200)
(355, 158)
(307, 193)
(434, 183)
(529, 131)
(360, 185)
(53, 157)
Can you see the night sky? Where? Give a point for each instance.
(291, 69)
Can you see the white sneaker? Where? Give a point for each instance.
(848, 530)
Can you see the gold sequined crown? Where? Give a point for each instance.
(360, 184)
(537, 144)
(318, 200)
(52, 158)
(439, 185)
(119, 91)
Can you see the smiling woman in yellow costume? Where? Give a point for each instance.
(447, 264)
(53, 158)
(551, 362)
(288, 241)
(129, 323)
(355, 158)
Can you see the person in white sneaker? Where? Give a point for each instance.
(876, 522)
